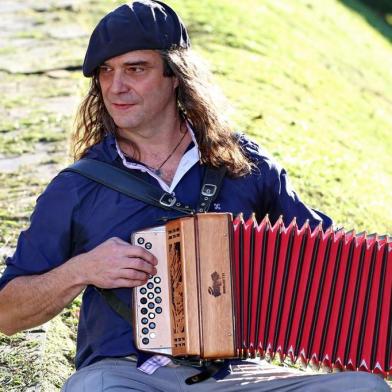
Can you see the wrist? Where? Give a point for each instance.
(77, 272)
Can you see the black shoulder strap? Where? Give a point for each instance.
(116, 304)
(127, 183)
(133, 186)
(212, 183)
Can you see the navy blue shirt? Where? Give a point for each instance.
(74, 215)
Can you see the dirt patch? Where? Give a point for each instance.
(35, 122)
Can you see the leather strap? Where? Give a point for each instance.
(116, 304)
(212, 183)
(128, 184)
(133, 186)
(207, 371)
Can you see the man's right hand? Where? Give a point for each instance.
(116, 263)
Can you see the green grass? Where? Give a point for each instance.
(310, 82)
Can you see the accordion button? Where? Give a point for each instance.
(144, 320)
(151, 305)
(140, 240)
(157, 279)
(143, 300)
(157, 290)
(143, 310)
(143, 290)
(158, 300)
(150, 295)
(158, 310)
(145, 331)
(152, 325)
(148, 245)
(152, 315)
(153, 335)
(150, 285)
(145, 341)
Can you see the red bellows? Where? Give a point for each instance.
(315, 296)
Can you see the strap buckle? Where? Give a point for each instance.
(208, 190)
(167, 200)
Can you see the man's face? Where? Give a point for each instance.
(135, 92)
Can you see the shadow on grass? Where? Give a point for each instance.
(376, 20)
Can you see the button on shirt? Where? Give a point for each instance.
(74, 215)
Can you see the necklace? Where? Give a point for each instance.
(157, 170)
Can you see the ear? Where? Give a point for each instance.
(175, 82)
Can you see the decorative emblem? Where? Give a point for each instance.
(215, 290)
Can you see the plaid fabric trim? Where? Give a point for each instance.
(154, 363)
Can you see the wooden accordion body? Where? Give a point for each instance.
(229, 289)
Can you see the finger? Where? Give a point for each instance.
(141, 265)
(135, 263)
(139, 252)
(133, 274)
(129, 283)
(120, 247)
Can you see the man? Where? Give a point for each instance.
(151, 112)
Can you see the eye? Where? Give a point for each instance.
(104, 69)
(135, 69)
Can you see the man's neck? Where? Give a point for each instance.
(153, 140)
(160, 149)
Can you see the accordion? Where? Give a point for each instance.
(227, 288)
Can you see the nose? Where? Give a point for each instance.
(118, 84)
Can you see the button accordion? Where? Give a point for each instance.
(227, 288)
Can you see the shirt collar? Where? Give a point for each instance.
(112, 146)
(190, 158)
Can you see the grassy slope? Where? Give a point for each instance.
(311, 83)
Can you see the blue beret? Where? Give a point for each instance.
(143, 24)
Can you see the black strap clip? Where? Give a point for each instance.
(209, 190)
(167, 200)
(212, 183)
(207, 371)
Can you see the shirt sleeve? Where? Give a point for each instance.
(277, 196)
(47, 242)
(283, 200)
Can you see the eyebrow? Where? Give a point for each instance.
(140, 62)
(132, 63)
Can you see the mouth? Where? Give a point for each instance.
(122, 106)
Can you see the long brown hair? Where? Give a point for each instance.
(197, 99)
